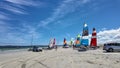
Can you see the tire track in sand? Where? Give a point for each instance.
(17, 63)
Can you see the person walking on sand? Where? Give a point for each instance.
(54, 44)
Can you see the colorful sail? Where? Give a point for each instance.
(51, 43)
(64, 42)
(85, 40)
(77, 43)
(71, 42)
(93, 38)
(85, 30)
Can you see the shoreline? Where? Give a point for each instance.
(12, 51)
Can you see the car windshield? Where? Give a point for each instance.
(113, 44)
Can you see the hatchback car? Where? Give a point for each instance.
(110, 47)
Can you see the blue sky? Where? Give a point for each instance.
(45, 19)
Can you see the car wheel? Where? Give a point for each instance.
(107, 51)
(111, 50)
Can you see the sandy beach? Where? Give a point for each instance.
(62, 58)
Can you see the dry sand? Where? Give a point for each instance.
(62, 58)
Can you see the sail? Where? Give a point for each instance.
(71, 42)
(85, 30)
(65, 42)
(77, 43)
(51, 43)
(85, 40)
(93, 42)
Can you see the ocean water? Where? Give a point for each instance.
(12, 51)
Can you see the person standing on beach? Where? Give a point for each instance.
(54, 42)
(55, 46)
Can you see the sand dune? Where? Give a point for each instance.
(62, 58)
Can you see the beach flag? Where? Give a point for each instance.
(85, 37)
(93, 38)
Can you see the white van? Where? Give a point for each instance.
(110, 47)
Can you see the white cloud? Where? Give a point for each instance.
(109, 36)
(14, 10)
(4, 27)
(14, 35)
(25, 2)
(31, 30)
(2, 22)
(103, 29)
(18, 6)
(22, 35)
(68, 35)
(4, 16)
(66, 7)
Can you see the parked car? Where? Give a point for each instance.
(110, 47)
(36, 49)
(30, 49)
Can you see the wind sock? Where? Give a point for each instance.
(85, 34)
(93, 39)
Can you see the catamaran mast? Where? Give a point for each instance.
(32, 40)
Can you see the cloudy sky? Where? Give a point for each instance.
(20, 20)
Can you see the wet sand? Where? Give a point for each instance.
(62, 58)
